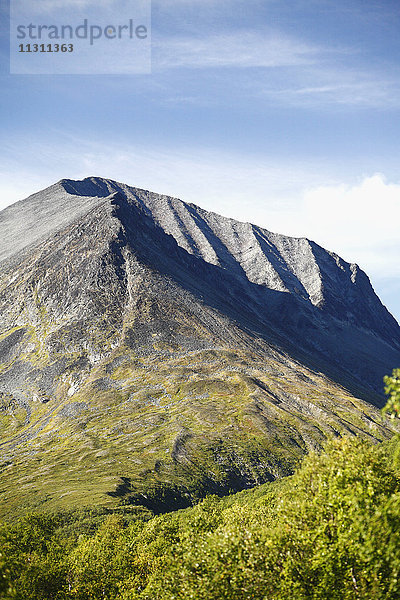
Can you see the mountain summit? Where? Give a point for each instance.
(147, 341)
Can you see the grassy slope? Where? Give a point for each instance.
(210, 420)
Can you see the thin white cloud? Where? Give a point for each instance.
(297, 73)
(359, 222)
(242, 49)
(179, 3)
(213, 179)
(324, 85)
(166, 6)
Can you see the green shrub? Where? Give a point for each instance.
(392, 389)
(331, 531)
(332, 534)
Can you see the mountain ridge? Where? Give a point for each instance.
(156, 204)
(126, 354)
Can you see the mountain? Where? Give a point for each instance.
(151, 349)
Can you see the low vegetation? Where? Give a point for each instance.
(332, 530)
(392, 389)
(188, 423)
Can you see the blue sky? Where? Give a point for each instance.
(281, 112)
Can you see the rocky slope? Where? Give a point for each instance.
(147, 342)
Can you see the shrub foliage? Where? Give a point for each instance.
(392, 389)
(330, 531)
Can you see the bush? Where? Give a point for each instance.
(331, 531)
(392, 389)
(332, 534)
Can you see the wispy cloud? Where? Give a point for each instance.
(297, 73)
(241, 50)
(172, 3)
(323, 85)
(214, 179)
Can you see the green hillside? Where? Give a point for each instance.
(189, 424)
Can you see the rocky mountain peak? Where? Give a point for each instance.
(297, 266)
(148, 338)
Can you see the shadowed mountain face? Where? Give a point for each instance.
(144, 338)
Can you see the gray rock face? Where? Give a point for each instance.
(285, 264)
(288, 291)
(26, 222)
